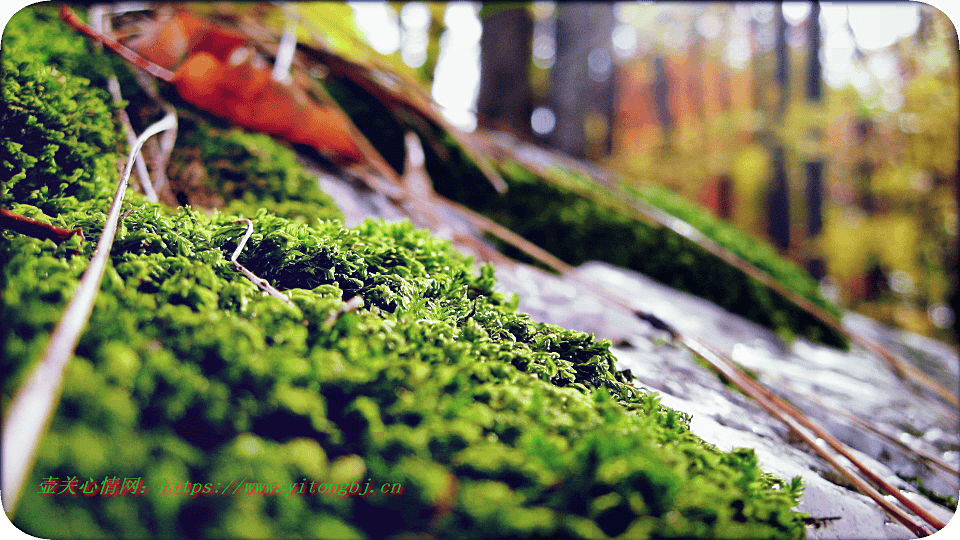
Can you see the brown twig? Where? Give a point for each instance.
(127, 54)
(33, 228)
(809, 432)
(932, 458)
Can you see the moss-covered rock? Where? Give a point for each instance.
(558, 217)
(464, 417)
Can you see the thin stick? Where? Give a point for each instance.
(101, 26)
(932, 458)
(126, 53)
(262, 283)
(492, 227)
(29, 414)
(31, 227)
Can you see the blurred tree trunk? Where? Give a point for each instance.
(506, 99)
(814, 167)
(661, 98)
(778, 204)
(814, 67)
(582, 77)
(783, 61)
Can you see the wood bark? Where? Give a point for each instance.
(506, 99)
(582, 29)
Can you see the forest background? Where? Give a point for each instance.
(829, 129)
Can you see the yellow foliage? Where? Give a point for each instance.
(750, 172)
(896, 237)
(898, 182)
(847, 235)
(335, 20)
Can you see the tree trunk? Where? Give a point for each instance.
(778, 203)
(506, 99)
(582, 77)
(814, 167)
(814, 68)
(661, 94)
(783, 61)
(778, 207)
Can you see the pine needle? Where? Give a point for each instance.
(29, 414)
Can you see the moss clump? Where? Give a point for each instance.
(57, 136)
(758, 253)
(494, 425)
(250, 171)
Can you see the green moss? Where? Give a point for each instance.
(187, 371)
(756, 252)
(58, 136)
(946, 501)
(251, 171)
(495, 426)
